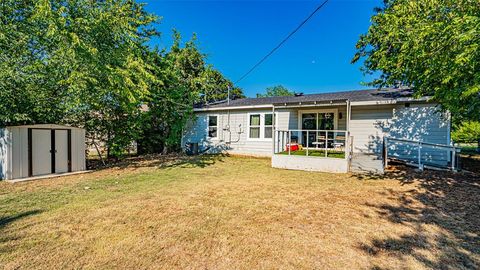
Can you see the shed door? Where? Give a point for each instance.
(41, 155)
(61, 151)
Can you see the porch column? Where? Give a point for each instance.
(347, 134)
(348, 115)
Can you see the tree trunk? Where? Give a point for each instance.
(109, 155)
(98, 152)
(165, 150)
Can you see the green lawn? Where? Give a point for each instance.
(217, 212)
(316, 153)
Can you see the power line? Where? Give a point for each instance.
(282, 42)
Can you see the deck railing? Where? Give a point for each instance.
(420, 153)
(317, 143)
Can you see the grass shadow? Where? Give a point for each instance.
(4, 221)
(164, 161)
(200, 161)
(445, 200)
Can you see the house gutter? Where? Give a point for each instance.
(391, 101)
(233, 108)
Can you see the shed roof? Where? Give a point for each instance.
(46, 126)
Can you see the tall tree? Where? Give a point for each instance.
(87, 63)
(430, 45)
(276, 91)
(468, 132)
(182, 79)
(75, 61)
(215, 86)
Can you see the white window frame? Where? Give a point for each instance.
(217, 126)
(317, 111)
(265, 126)
(261, 126)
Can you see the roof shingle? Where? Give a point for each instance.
(355, 95)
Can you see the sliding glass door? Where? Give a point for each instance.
(309, 122)
(313, 121)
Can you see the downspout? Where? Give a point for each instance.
(228, 118)
(273, 129)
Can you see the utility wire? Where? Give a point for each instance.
(282, 42)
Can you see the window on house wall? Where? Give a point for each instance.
(212, 126)
(268, 126)
(261, 126)
(255, 126)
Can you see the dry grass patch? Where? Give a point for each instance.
(219, 212)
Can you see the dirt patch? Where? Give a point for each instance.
(470, 163)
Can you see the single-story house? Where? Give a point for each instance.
(334, 132)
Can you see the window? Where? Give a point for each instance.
(212, 126)
(268, 126)
(254, 126)
(260, 126)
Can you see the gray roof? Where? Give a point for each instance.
(355, 95)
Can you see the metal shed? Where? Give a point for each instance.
(40, 150)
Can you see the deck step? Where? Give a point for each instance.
(366, 163)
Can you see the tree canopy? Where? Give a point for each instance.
(468, 131)
(276, 91)
(432, 46)
(87, 63)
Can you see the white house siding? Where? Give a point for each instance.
(286, 119)
(234, 140)
(342, 123)
(421, 122)
(368, 124)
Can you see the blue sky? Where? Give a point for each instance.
(236, 34)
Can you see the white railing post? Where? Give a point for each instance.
(289, 142)
(347, 145)
(279, 149)
(275, 144)
(420, 167)
(454, 152)
(385, 148)
(278, 141)
(308, 139)
(326, 143)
